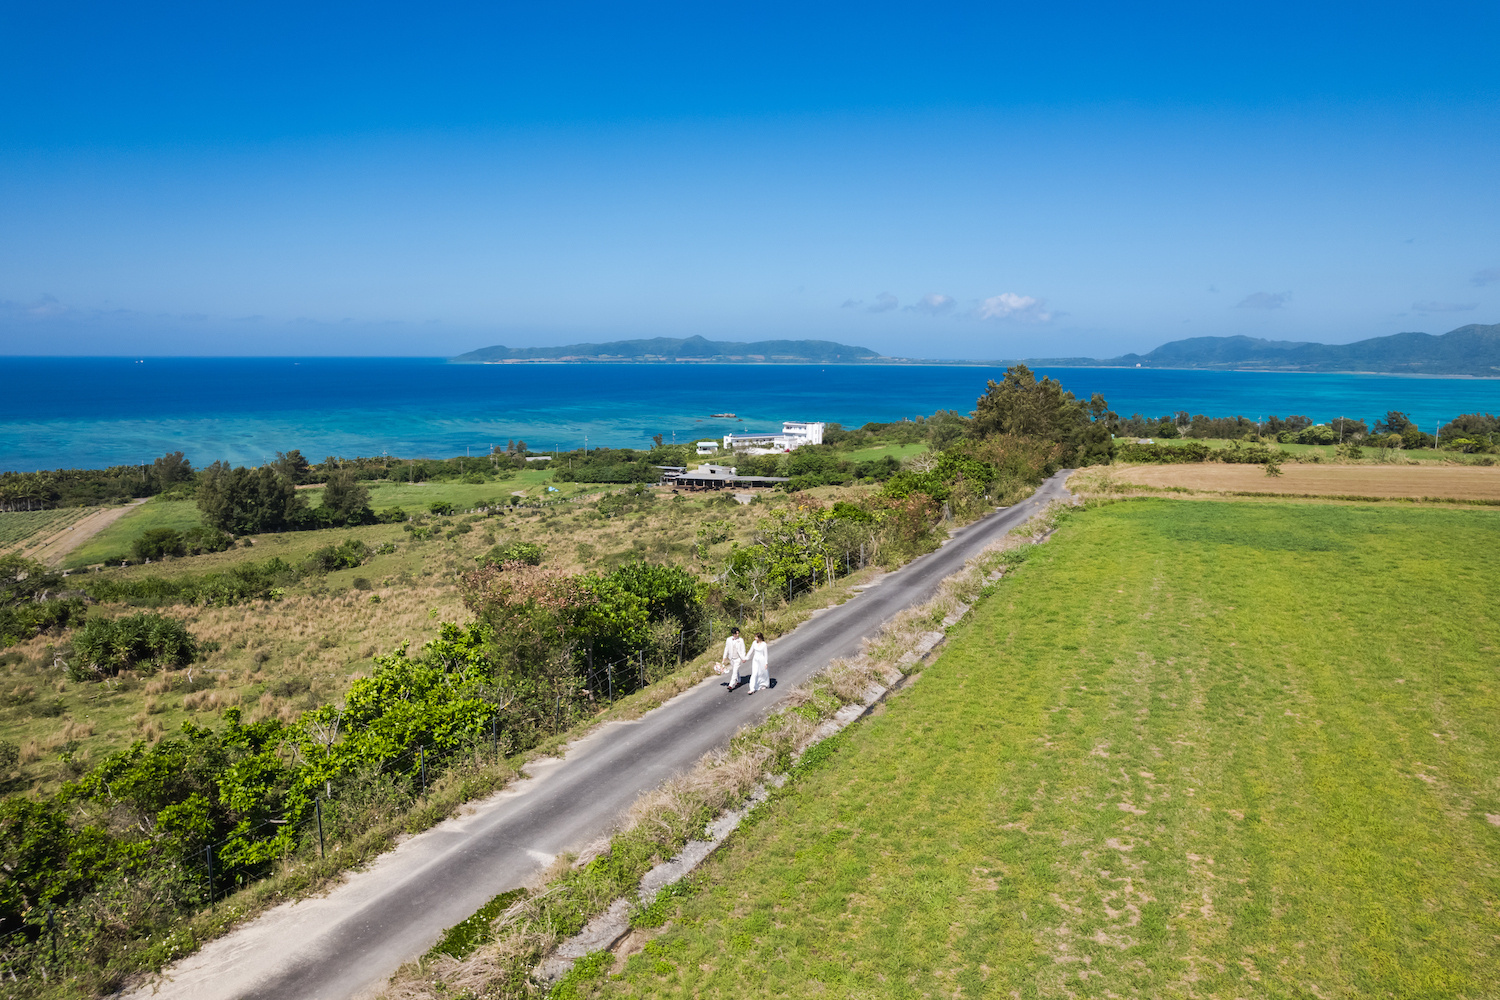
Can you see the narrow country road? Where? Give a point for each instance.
(347, 943)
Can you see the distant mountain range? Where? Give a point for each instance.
(1469, 350)
(677, 350)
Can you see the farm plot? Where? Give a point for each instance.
(1189, 749)
(24, 529)
(1410, 481)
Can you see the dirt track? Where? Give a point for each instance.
(1416, 481)
(55, 547)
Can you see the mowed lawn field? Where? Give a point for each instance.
(1188, 749)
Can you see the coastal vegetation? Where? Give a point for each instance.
(1212, 748)
(207, 723)
(361, 645)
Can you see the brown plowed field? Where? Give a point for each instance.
(1416, 481)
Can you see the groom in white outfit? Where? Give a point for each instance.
(734, 655)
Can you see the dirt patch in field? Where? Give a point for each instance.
(1450, 482)
(54, 548)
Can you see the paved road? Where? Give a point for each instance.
(347, 943)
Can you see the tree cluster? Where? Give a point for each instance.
(1023, 408)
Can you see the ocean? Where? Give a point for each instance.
(95, 412)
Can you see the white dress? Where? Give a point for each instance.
(734, 655)
(760, 666)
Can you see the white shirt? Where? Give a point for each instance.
(734, 649)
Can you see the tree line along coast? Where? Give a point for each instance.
(281, 687)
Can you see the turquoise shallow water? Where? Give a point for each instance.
(90, 412)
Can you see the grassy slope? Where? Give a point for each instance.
(414, 498)
(879, 451)
(115, 539)
(281, 657)
(1190, 749)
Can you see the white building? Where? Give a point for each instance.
(794, 434)
(708, 447)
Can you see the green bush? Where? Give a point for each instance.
(1191, 451)
(349, 554)
(105, 646)
(158, 543)
(529, 553)
(246, 582)
(26, 609)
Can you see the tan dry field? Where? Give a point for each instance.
(1395, 481)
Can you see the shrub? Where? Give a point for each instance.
(105, 646)
(158, 543)
(529, 553)
(248, 582)
(205, 539)
(351, 553)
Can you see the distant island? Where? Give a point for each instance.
(676, 351)
(1469, 350)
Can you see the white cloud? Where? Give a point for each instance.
(45, 307)
(1444, 307)
(1488, 276)
(1264, 300)
(884, 302)
(934, 304)
(851, 303)
(1009, 305)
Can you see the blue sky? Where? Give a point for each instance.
(955, 181)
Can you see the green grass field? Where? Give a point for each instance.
(114, 541)
(413, 498)
(1188, 749)
(19, 526)
(899, 451)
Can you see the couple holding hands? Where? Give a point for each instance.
(758, 655)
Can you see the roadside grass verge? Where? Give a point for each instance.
(1188, 749)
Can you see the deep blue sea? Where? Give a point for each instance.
(94, 412)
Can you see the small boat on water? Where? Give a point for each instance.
(726, 416)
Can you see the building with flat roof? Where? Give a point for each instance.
(794, 434)
(714, 477)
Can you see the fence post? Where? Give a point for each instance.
(556, 714)
(609, 668)
(208, 855)
(495, 735)
(52, 929)
(422, 763)
(318, 808)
